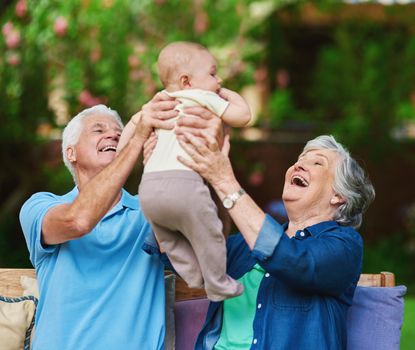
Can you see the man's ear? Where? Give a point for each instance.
(337, 200)
(71, 154)
(185, 82)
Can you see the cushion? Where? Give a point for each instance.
(170, 290)
(190, 317)
(16, 322)
(375, 319)
(29, 286)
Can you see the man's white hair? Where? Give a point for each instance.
(73, 129)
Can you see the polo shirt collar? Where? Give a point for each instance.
(127, 200)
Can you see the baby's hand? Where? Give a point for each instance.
(228, 95)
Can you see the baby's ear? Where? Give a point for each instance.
(185, 82)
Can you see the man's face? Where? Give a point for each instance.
(203, 72)
(97, 145)
(309, 181)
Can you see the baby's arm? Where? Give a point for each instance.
(128, 131)
(237, 114)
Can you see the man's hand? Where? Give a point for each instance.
(157, 113)
(199, 120)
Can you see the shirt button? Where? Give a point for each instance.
(255, 341)
(302, 234)
(267, 274)
(259, 306)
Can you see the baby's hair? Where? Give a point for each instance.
(175, 58)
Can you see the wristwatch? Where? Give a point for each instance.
(230, 200)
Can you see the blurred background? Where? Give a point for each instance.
(345, 68)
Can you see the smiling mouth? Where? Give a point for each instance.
(298, 180)
(108, 149)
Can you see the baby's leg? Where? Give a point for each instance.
(163, 205)
(203, 229)
(181, 255)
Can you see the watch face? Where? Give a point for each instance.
(227, 203)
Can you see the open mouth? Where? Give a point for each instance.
(108, 149)
(298, 180)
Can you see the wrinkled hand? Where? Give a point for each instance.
(207, 158)
(149, 146)
(200, 120)
(157, 113)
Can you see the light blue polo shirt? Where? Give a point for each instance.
(101, 291)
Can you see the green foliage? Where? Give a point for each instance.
(392, 254)
(59, 57)
(351, 78)
(408, 329)
(363, 82)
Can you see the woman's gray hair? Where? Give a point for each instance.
(73, 129)
(350, 182)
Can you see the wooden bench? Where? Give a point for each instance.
(191, 305)
(10, 283)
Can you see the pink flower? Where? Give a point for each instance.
(60, 26)
(95, 55)
(86, 99)
(133, 61)
(21, 8)
(13, 58)
(256, 178)
(13, 39)
(136, 75)
(283, 78)
(7, 28)
(201, 22)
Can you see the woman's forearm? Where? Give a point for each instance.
(245, 213)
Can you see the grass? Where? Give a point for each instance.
(408, 328)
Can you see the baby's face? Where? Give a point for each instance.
(203, 73)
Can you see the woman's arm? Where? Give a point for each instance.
(214, 165)
(326, 264)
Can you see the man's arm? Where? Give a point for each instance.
(128, 131)
(237, 114)
(69, 221)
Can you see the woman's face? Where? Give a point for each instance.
(309, 182)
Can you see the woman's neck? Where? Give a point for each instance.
(305, 219)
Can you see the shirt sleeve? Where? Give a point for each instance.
(204, 98)
(326, 263)
(31, 217)
(214, 103)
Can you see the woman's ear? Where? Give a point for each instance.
(185, 82)
(71, 154)
(337, 200)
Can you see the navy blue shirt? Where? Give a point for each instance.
(307, 288)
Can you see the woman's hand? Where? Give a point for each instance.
(198, 120)
(208, 159)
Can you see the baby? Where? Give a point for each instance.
(173, 197)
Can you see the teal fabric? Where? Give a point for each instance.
(101, 291)
(239, 313)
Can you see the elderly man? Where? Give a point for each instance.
(300, 277)
(98, 289)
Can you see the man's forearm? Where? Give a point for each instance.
(70, 221)
(100, 193)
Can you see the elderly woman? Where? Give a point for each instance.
(299, 278)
